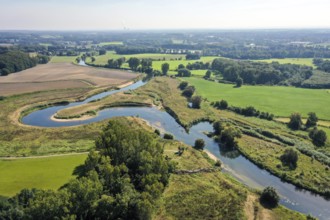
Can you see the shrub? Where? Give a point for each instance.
(290, 158)
(223, 104)
(189, 91)
(228, 137)
(168, 136)
(311, 120)
(295, 121)
(183, 85)
(184, 73)
(157, 132)
(269, 197)
(239, 82)
(196, 101)
(199, 144)
(319, 137)
(218, 127)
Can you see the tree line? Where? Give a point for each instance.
(121, 181)
(14, 61)
(262, 73)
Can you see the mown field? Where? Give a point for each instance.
(300, 61)
(61, 76)
(279, 100)
(43, 173)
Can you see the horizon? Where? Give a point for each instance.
(102, 15)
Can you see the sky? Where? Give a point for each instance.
(164, 14)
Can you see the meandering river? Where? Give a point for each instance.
(233, 163)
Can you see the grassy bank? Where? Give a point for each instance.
(43, 173)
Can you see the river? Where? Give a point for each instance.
(233, 163)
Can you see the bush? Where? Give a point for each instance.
(311, 120)
(157, 132)
(290, 158)
(199, 144)
(184, 73)
(189, 91)
(295, 121)
(196, 101)
(183, 85)
(218, 127)
(228, 137)
(239, 82)
(168, 136)
(269, 197)
(319, 137)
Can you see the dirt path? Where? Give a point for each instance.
(254, 211)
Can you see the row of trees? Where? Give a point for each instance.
(261, 73)
(122, 181)
(249, 111)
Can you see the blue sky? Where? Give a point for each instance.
(165, 14)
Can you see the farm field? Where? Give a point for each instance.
(300, 61)
(60, 76)
(42, 173)
(281, 101)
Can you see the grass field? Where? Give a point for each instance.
(42, 173)
(111, 43)
(300, 61)
(103, 59)
(281, 101)
(63, 59)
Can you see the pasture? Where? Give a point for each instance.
(61, 76)
(42, 173)
(279, 100)
(110, 43)
(299, 61)
(63, 59)
(103, 59)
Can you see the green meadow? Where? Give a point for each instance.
(300, 61)
(42, 173)
(63, 59)
(110, 43)
(279, 100)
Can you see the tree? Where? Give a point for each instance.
(93, 59)
(223, 104)
(184, 73)
(228, 137)
(183, 85)
(133, 63)
(188, 91)
(196, 101)
(290, 158)
(181, 66)
(319, 137)
(218, 127)
(199, 144)
(269, 197)
(311, 120)
(207, 74)
(295, 121)
(102, 52)
(239, 82)
(165, 68)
